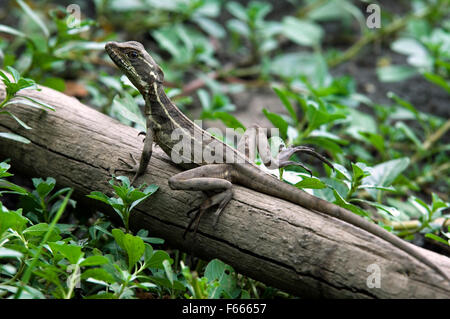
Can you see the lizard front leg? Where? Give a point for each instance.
(212, 177)
(146, 155)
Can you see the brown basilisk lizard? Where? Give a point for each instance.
(164, 119)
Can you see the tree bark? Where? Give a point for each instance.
(276, 242)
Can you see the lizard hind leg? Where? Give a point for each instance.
(208, 178)
(221, 199)
(256, 137)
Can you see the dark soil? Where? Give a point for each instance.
(425, 96)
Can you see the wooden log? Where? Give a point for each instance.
(279, 243)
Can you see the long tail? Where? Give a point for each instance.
(258, 180)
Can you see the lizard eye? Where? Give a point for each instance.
(132, 54)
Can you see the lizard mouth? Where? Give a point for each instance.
(113, 51)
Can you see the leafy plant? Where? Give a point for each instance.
(48, 45)
(13, 86)
(127, 197)
(249, 25)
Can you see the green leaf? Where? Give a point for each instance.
(421, 206)
(55, 83)
(11, 219)
(133, 245)
(9, 253)
(382, 188)
(385, 173)
(310, 182)
(418, 55)
(223, 273)
(99, 196)
(165, 283)
(43, 188)
(136, 196)
(340, 201)
(281, 65)
(229, 120)
(341, 169)
(238, 27)
(68, 48)
(205, 99)
(124, 180)
(72, 253)
(98, 274)
(409, 133)
(360, 170)
(25, 100)
(278, 122)
(395, 73)
(302, 32)
(360, 122)
(102, 295)
(317, 117)
(157, 258)
(390, 210)
(331, 11)
(5, 79)
(287, 104)
(438, 203)
(13, 188)
(127, 107)
(168, 270)
(403, 103)
(237, 10)
(24, 83)
(211, 27)
(9, 30)
(375, 140)
(148, 253)
(111, 82)
(40, 230)
(437, 238)
(438, 80)
(23, 124)
(150, 189)
(167, 43)
(33, 16)
(27, 274)
(39, 103)
(14, 73)
(119, 237)
(94, 261)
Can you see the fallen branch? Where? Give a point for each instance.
(271, 240)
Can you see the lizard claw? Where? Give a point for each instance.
(220, 199)
(132, 168)
(142, 133)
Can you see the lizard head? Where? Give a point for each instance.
(132, 58)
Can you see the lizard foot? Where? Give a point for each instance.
(220, 199)
(286, 153)
(132, 168)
